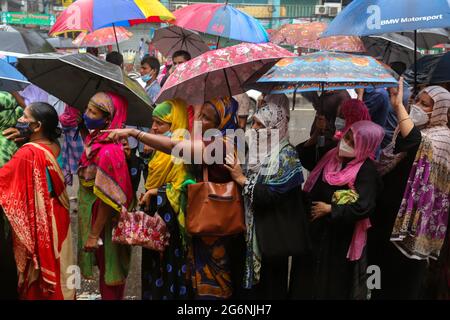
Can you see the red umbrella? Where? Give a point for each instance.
(220, 73)
(102, 37)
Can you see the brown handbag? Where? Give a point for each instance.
(214, 209)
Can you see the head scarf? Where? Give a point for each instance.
(10, 112)
(276, 165)
(69, 118)
(273, 117)
(226, 110)
(367, 137)
(164, 169)
(421, 224)
(107, 155)
(280, 100)
(353, 110)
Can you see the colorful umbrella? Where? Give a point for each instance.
(91, 15)
(173, 38)
(221, 20)
(102, 37)
(307, 35)
(221, 72)
(324, 71)
(10, 78)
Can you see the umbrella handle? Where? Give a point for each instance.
(115, 35)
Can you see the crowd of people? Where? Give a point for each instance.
(361, 191)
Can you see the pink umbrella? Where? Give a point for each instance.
(102, 37)
(306, 35)
(220, 73)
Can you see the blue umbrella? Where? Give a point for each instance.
(369, 17)
(10, 78)
(324, 71)
(221, 20)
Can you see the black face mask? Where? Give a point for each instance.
(24, 129)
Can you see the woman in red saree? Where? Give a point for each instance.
(105, 186)
(34, 199)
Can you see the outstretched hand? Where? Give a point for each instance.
(117, 135)
(397, 94)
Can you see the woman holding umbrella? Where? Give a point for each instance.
(215, 263)
(105, 187)
(412, 220)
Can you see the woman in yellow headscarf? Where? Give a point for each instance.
(164, 275)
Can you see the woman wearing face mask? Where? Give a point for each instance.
(413, 208)
(36, 204)
(275, 217)
(215, 263)
(105, 187)
(164, 274)
(342, 188)
(349, 112)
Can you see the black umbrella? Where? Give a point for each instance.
(428, 71)
(62, 43)
(19, 42)
(75, 78)
(390, 47)
(428, 38)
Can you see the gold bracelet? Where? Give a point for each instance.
(404, 119)
(140, 135)
(92, 237)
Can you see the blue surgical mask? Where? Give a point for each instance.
(93, 124)
(339, 123)
(24, 129)
(146, 77)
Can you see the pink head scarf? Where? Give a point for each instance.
(353, 110)
(367, 137)
(106, 155)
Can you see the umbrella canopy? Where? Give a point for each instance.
(10, 78)
(307, 35)
(19, 42)
(425, 66)
(431, 69)
(221, 20)
(390, 47)
(62, 43)
(221, 72)
(75, 78)
(102, 37)
(90, 15)
(324, 71)
(428, 38)
(171, 39)
(368, 17)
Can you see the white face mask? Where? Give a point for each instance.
(339, 123)
(345, 150)
(418, 116)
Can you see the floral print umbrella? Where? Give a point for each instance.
(220, 73)
(324, 71)
(307, 35)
